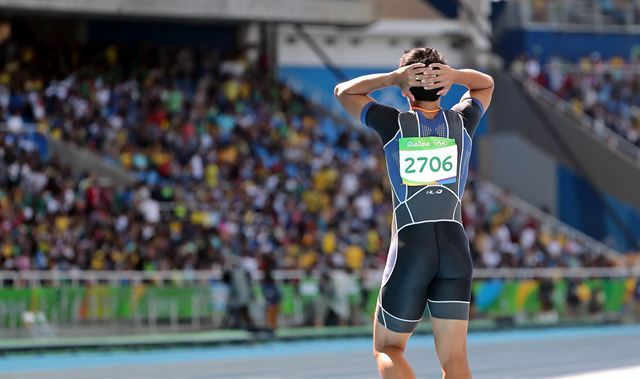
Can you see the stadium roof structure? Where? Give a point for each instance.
(333, 12)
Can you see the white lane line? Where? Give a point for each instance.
(632, 372)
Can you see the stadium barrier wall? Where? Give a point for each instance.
(177, 299)
(572, 45)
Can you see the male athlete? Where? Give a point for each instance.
(427, 151)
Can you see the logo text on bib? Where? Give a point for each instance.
(428, 160)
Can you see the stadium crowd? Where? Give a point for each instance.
(53, 220)
(228, 163)
(607, 91)
(611, 12)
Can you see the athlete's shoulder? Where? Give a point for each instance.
(471, 111)
(373, 111)
(468, 104)
(381, 118)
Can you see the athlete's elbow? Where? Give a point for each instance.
(338, 90)
(487, 85)
(490, 83)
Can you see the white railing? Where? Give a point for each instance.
(557, 225)
(185, 278)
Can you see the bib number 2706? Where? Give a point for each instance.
(435, 164)
(428, 160)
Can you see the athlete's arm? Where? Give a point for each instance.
(480, 85)
(354, 94)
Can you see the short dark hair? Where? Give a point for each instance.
(426, 55)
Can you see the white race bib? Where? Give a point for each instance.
(428, 160)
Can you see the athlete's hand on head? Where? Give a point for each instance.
(410, 76)
(439, 75)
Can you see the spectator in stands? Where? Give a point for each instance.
(596, 302)
(572, 298)
(309, 292)
(339, 309)
(548, 313)
(636, 299)
(573, 12)
(272, 298)
(240, 296)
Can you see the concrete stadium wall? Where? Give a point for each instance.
(596, 187)
(378, 45)
(564, 139)
(513, 163)
(81, 161)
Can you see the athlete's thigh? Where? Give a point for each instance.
(384, 337)
(449, 293)
(455, 255)
(450, 337)
(411, 265)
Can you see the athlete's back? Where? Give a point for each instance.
(427, 162)
(416, 202)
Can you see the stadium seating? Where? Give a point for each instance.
(229, 163)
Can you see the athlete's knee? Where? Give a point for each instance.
(387, 353)
(388, 346)
(454, 360)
